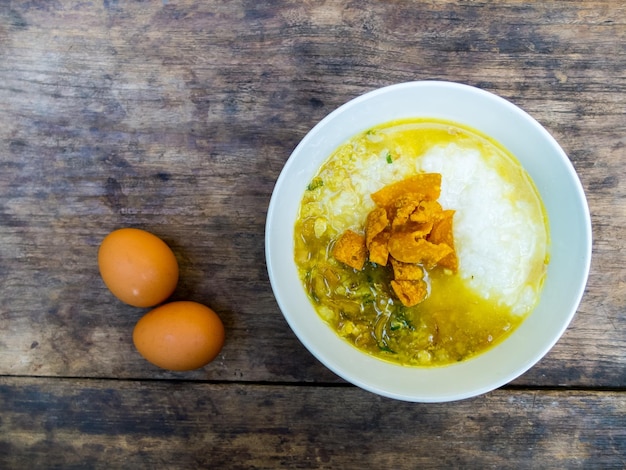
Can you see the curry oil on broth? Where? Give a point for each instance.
(457, 320)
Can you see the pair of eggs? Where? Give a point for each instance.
(141, 270)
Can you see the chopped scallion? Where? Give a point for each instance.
(315, 183)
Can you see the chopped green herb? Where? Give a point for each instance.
(398, 320)
(315, 183)
(398, 324)
(385, 348)
(308, 280)
(389, 159)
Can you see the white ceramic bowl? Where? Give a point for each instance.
(570, 234)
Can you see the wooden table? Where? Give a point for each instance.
(177, 117)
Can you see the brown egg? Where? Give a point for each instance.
(179, 336)
(137, 267)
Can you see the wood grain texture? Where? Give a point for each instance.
(103, 424)
(177, 117)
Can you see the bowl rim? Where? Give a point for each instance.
(309, 332)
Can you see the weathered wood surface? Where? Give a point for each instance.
(177, 117)
(104, 424)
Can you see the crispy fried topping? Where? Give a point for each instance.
(350, 249)
(409, 229)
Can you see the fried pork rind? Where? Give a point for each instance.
(406, 271)
(408, 249)
(427, 184)
(442, 234)
(426, 211)
(376, 222)
(417, 230)
(408, 228)
(378, 249)
(401, 208)
(350, 249)
(410, 293)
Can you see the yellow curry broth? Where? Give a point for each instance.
(452, 324)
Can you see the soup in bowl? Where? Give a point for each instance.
(428, 241)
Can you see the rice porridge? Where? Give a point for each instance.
(500, 244)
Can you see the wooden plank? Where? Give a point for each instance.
(178, 116)
(109, 424)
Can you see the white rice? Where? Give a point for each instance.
(499, 233)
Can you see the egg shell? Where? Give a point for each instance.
(179, 336)
(137, 267)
